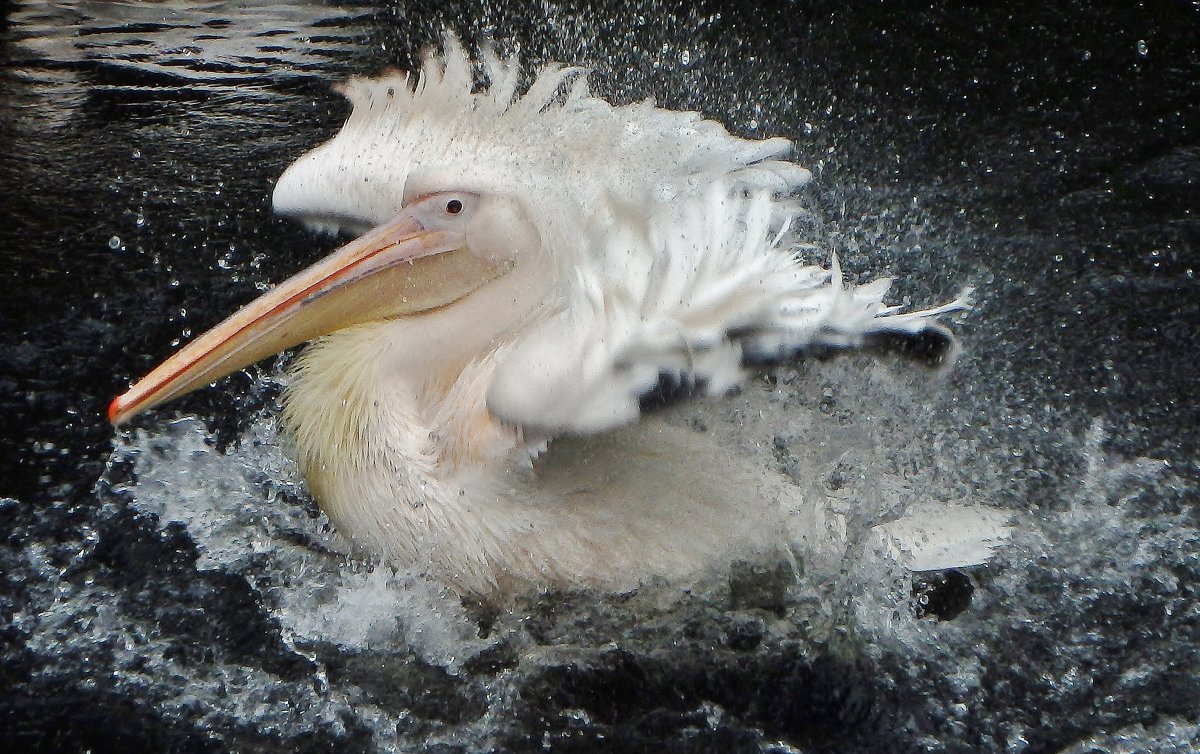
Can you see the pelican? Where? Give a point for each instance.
(530, 265)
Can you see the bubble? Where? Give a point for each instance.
(114, 243)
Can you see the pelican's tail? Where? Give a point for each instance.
(935, 536)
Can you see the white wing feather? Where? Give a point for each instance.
(690, 293)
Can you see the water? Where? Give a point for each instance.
(172, 587)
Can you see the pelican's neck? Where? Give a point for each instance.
(346, 410)
(393, 436)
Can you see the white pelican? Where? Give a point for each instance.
(535, 262)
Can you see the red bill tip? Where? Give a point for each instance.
(113, 409)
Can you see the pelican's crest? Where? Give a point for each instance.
(555, 145)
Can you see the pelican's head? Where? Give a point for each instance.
(478, 200)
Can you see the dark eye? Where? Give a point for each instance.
(454, 206)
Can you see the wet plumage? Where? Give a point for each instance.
(536, 263)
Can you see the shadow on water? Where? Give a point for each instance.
(1046, 154)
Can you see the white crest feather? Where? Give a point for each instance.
(561, 151)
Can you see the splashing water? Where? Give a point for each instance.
(249, 516)
(200, 599)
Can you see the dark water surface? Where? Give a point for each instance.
(1048, 154)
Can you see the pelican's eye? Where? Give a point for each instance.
(443, 208)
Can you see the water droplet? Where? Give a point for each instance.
(137, 154)
(114, 243)
(685, 57)
(140, 220)
(1143, 48)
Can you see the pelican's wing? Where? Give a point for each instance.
(693, 293)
